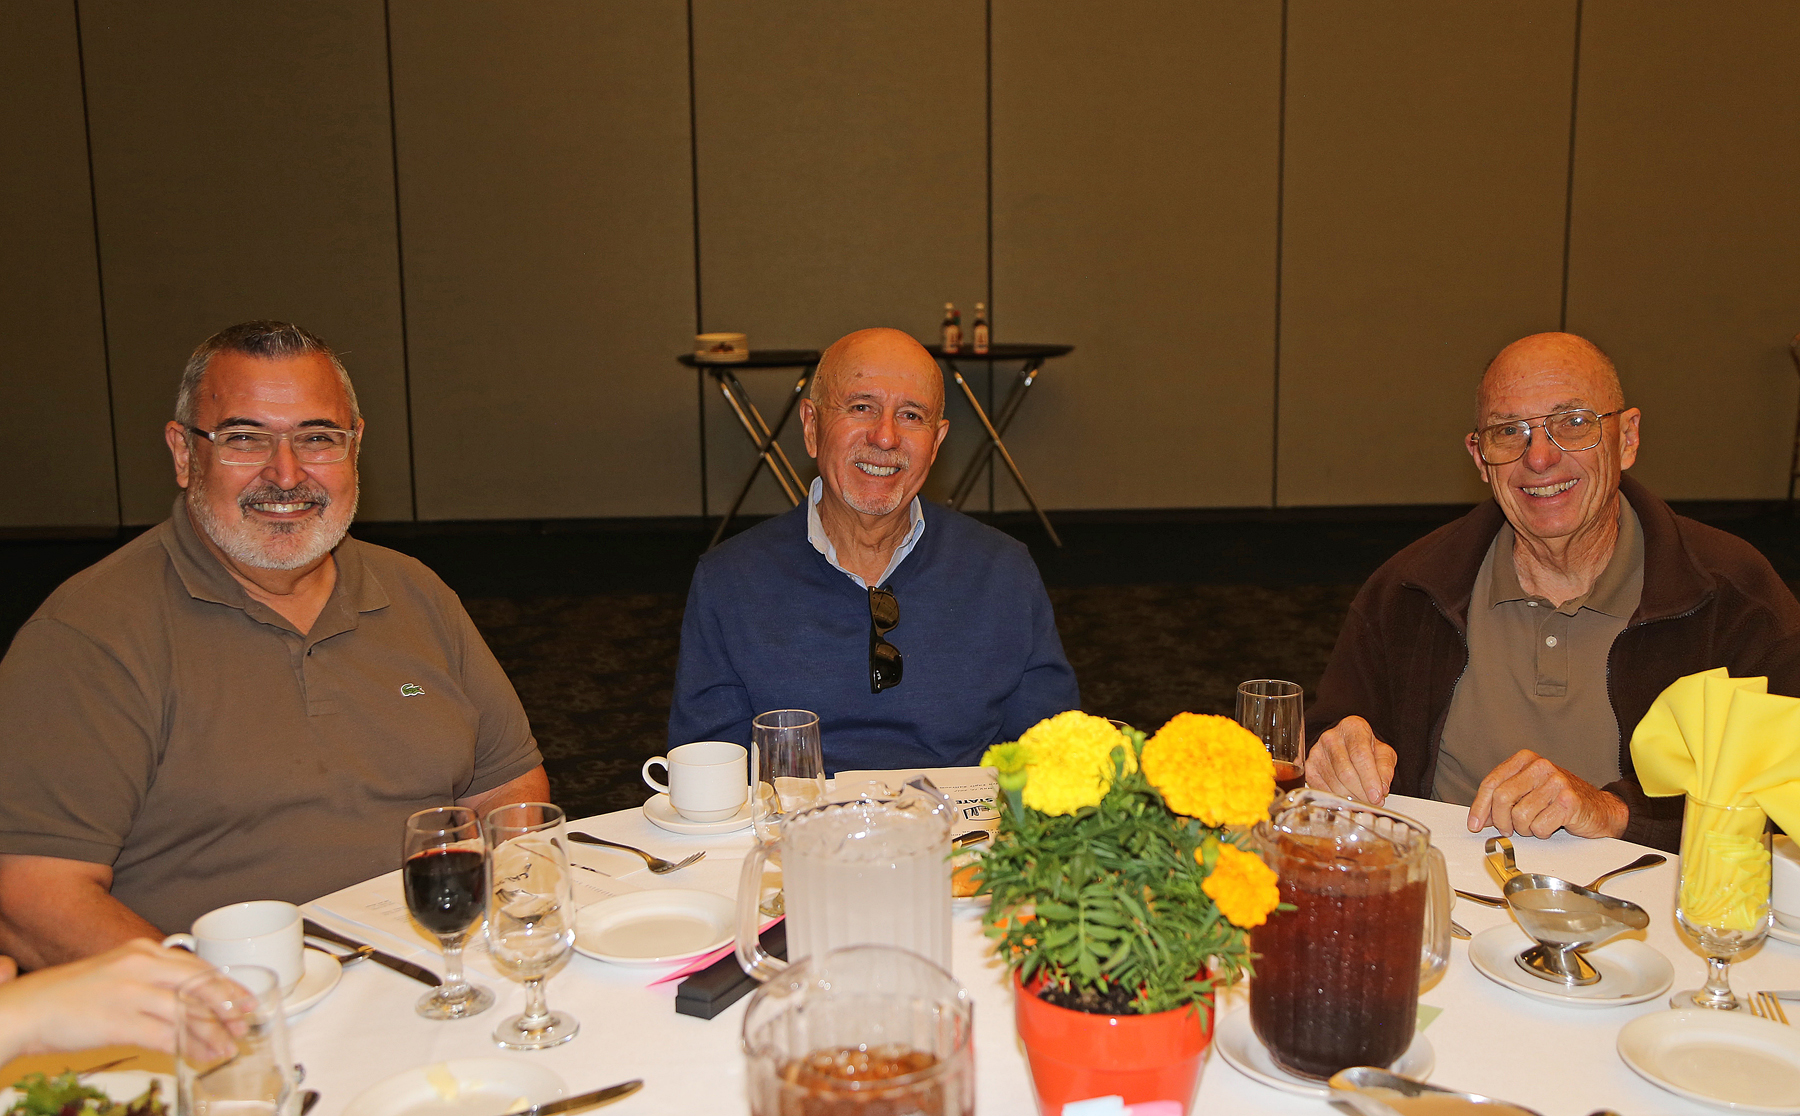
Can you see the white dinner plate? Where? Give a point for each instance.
(663, 815)
(1630, 971)
(316, 982)
(460, 1087)
(1237, 1043)
(656, 927)
(1726, 1058)
(122, 1086)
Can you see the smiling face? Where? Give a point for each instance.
(1551, 493)
(876, 421)
(284, 515)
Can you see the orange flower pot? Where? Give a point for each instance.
(1076, 1055)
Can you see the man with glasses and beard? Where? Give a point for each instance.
(917, 635)
(1502, 661)
(242, 703)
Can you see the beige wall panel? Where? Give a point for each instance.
(243, 168)
(842, 164)
(1425, 196)
(546, 213)
(52, 355)
(1685, 246)
(1135, 160)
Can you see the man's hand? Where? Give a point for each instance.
(1348, 760)
(1529, 794)
(125, 995)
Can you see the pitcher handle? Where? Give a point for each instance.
(1438, 898)
(752, 957)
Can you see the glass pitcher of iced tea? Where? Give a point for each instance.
(1337, 978)
(864, 1031)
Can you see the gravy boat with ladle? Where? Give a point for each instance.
(1564, 919)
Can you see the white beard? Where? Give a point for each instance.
(272, 546)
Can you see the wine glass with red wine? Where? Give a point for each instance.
(1274, 711)
(446, 873)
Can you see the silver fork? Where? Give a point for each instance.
(1765, 1005)
(657, 865)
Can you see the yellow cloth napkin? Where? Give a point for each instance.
(1724, 740)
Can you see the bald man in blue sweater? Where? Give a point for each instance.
(919, 636)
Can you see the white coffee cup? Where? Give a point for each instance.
(708, 780)
(262, 932)
(1784, 884)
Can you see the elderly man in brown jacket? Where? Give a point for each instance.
(1503, 661)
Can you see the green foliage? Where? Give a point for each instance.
(1111, 896)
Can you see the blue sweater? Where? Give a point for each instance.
(770, 624)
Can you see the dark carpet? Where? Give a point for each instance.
(1157, 614)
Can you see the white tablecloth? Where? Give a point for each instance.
(1488, 1039)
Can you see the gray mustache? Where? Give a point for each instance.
(303, 494)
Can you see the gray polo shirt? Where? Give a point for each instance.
(155, 718)
(1537, 673)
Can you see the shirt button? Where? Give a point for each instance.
(1533, 604)
(1549, 641)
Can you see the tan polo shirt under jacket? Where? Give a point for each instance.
(1537, 673)
(155, 718)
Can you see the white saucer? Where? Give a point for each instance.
(1782, 934)
(1730, 1059)
(1237, 1043)
(657, 927)
(460, 1087)
(321, 976)
(662, 814)
(1630, 971)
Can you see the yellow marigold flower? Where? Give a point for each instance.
(1242, 885)
(1010, 762)
(1070, 764)
(1211, 768)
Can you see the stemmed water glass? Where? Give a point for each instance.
(231, 1044)
(789, 769)
(530, 916)
(1723, 903)
(1274, 712)
(445, 873)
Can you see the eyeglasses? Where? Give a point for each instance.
(885, 664)
(1571, 431)
(312, 445)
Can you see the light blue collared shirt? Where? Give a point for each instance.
(815, 534)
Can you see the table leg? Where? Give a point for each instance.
(1000, 447)
(965, 485)
(767, 449)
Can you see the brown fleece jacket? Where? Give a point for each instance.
(1709, 600)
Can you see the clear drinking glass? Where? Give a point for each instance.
(1723, 902)
(789, 769)
(231, 1045)
(445, 873)
(530, 916)
(868, 1029)
(1275, 712)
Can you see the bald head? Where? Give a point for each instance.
(1563, 356)
(879, 348)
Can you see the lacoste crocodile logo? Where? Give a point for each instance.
(411, 690)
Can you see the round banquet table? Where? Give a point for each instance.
(1488, 1038)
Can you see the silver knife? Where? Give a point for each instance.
(406, 968)
(583, 1100)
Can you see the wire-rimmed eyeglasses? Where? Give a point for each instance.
(312, 445)
(1571, 431)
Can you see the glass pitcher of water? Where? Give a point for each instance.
(872, 869)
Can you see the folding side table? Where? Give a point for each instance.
(761, 434)
(1033, 358)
